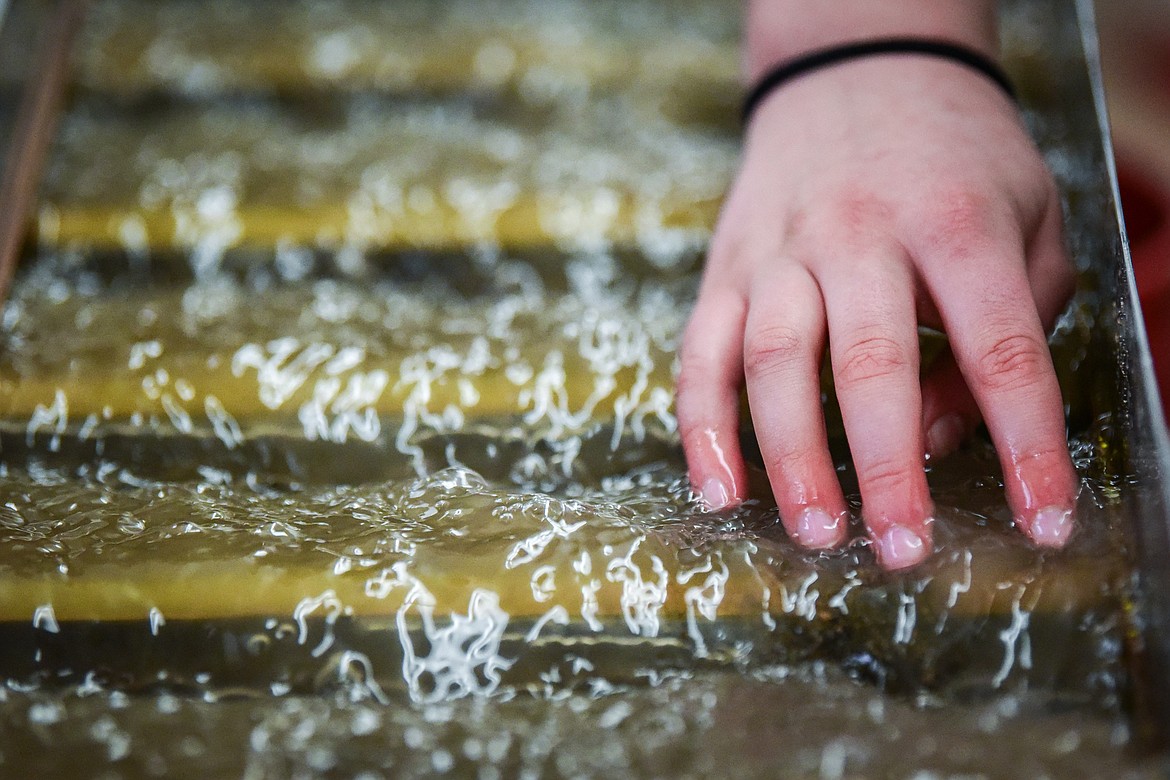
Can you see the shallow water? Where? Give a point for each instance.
(728, 725)
(480, 523)
(337, 437)
(346, 458)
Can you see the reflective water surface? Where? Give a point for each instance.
(337, 435)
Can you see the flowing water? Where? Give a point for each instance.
(337, 435)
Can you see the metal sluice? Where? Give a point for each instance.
(205, 606)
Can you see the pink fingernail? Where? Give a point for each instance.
(817, 529)
(900, 548)
(1051, 526)
(945, 436)
(715, 494)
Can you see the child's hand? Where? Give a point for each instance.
(875, 196)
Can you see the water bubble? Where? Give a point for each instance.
(45, 620)
(45, 713)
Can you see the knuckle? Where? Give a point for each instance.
(783, 465)
(797, 226)
(1011, 363)
(875, 357)
(693, 427)
(692, 358)
(888, 477)
(956, 221)
(685, 389)
(698, 350)
(858, 208)
(852, 215)
(692, 391)
(770, 349)
(701, 386)
(1048, 457)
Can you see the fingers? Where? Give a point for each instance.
(949, 412)
(782, 353)
(873, 339)
(990, 311)
(710, 376)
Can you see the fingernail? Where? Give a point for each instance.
(900, 548)
(1051, 526)
(817, 529)
(715, 494)
(945, 436)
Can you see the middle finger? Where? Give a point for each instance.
(873, 340)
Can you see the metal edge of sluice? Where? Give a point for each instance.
(1146, 440)
(33, 126)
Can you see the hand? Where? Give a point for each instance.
(875, 196)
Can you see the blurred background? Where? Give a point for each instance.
(1135, 49)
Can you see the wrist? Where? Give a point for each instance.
(818, 59)
(781, 30)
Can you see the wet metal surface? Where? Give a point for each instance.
(336, 434)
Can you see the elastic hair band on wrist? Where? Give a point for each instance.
(820, 58)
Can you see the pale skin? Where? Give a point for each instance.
(875, 196)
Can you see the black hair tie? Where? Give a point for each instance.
(786, 71)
